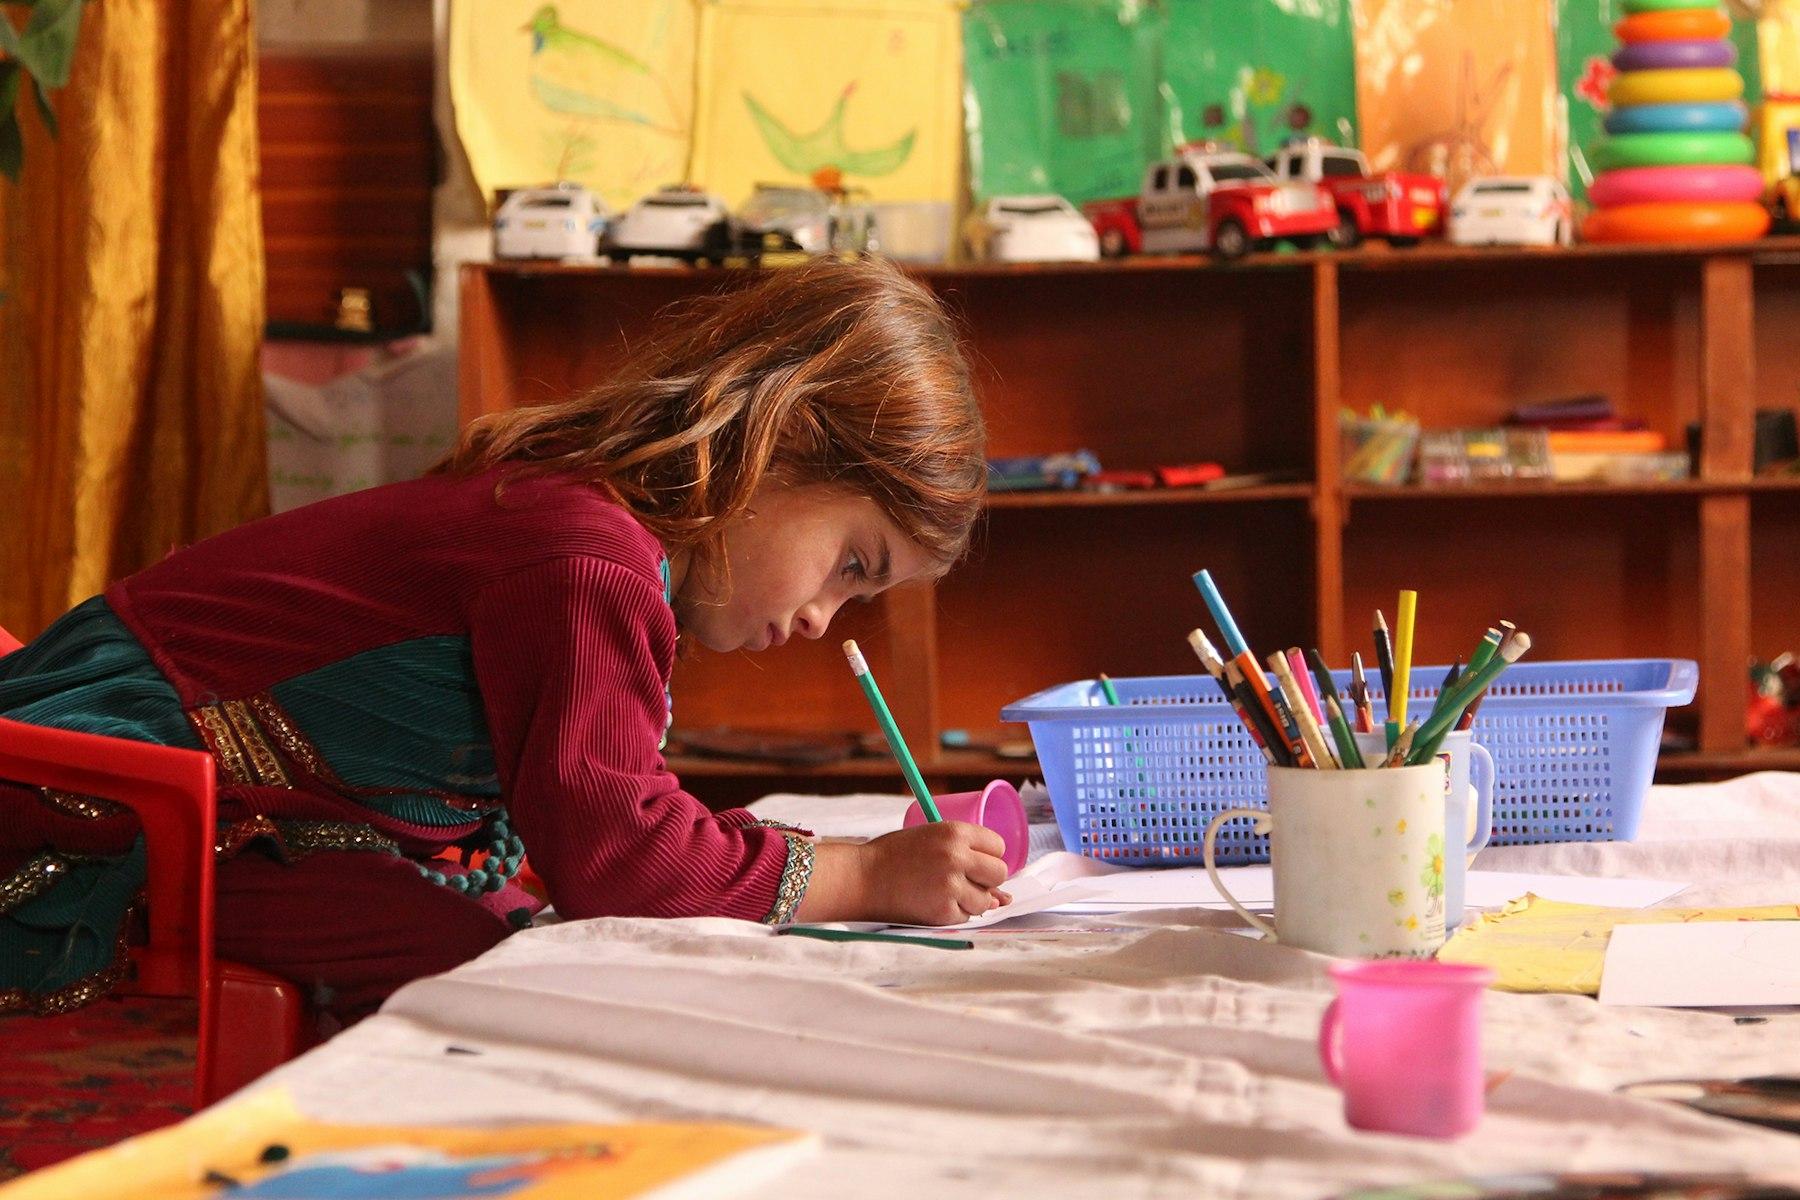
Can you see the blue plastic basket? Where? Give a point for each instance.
(1574, 746)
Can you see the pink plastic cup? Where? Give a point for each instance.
(996, 806)
(1402, 1041)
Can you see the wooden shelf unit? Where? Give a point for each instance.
(1154, 361)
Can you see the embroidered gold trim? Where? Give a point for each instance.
(89, 808)
(215, 731)
(262, 758)
(298, 749)
(85, 990)
(30, 879)
(794, 878)
(300, 838)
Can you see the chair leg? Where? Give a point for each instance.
(260, 1025)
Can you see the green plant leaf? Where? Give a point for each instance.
(12, 145)
(47, 47)
(43, 106)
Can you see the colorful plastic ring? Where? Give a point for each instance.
(1652, 185)
(1674, 87)
(1673, 150)
(1720, 116)
(1643, 6)
(1674, 25)
(1677, 223)
(1663, 56)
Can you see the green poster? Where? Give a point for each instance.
(1584, 48)
(1254, 72)
(1063, 96)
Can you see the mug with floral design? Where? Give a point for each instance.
(1358, 858)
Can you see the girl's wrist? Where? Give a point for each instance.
(839, 890)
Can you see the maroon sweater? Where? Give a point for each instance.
(559, 593)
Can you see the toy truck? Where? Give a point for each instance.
(1208, 199)
(1399, 207)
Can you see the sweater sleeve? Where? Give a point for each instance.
(570, 656)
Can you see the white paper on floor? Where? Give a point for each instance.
(1703, 964)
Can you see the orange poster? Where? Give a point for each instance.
(1459, 88)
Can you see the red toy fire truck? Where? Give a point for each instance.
(1399, 207)
(1206, 199)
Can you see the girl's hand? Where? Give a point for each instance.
(937, 874)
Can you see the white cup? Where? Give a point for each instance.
(1358, 858)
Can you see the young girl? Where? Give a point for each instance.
(480, 659)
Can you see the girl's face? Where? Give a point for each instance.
(799, 555)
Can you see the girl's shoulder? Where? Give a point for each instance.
(520, 520)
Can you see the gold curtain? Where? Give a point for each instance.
(132, 270)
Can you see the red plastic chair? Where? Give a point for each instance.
(250, 1021)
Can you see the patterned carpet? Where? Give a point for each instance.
(89, 1078)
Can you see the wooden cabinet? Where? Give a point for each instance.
(1159, 361)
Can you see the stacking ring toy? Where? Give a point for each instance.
(1674, 25)
(1677, 222)
(1719, 116)
(1661, 56)
(1642, 6)
(1674, 87)
(1674, 150)
(1652, 185)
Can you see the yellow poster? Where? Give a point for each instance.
(867, 93)
(259, 1145)
(1459, 88)
(1778, 44)
(595, 91)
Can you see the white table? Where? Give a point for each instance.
(1151, 1056)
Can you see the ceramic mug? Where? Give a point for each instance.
(1470, 768)
(1358, 859)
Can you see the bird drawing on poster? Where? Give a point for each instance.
(824, 148)
(580, 75)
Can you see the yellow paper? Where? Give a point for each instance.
(220, 1152)
(593, 91)
(869, 91)
(1538, 945)
(1459, 88)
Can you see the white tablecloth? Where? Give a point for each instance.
(1149, 1056)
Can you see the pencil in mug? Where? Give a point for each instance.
(1348, 751)
(1504, 634)
(1403, 652)
(1359, 695)
(1397, 753)
(1247, 664)
(1273, 743)
(1310, 736)
(1443, 691)
(1297, 664)
(1234, 692)
(1384, 660)
(860, 668)
(1468, 695)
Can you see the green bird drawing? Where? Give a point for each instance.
(806, 154)
(580, 75)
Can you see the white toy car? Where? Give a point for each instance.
(1039, 229)
(781, 218)
(563, 221)
(673, 222)
(1521, 210)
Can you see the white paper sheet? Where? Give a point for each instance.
(1703, 964)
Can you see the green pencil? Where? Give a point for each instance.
(1112, 694)
(859, 935)
(1348, 751)
(891, 731)
(1472, 686)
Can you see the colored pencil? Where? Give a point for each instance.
(1274, 748)
(1490, 642)
(1243, 702)
(1348, 751)
(860, 668)
(1359, 695)
(1310, 733)
(1403, 652)
(1396, 755)
(1321, 675)
(1209, 591)
(1443, 691)
(1468, 692)
(1258, 683)
(1384, 660)
(1297, 664)
(1111, 693)
(867, 935)
(1284, 716)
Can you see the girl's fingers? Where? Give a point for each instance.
(1003, 897)
(984, 870)
(974, 900)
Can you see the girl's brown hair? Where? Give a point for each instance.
(839, 373)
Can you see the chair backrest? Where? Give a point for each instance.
(8, 643)
(172, 792)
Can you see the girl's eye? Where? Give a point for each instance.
(854, 570)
